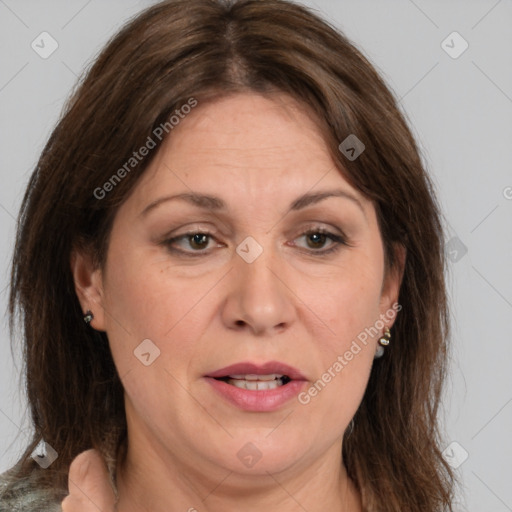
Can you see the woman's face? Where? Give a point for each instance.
(243, 244)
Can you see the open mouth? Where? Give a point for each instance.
(254, 382)
(263, 387)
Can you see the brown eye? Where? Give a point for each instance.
(320, 242)
(192, 244)
(316, 240)
(198, 240)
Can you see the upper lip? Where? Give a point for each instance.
(249, 368)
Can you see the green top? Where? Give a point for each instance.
(26, 495)
(30, 495)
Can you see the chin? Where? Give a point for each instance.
(262, 453)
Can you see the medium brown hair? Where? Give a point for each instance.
(203, 49)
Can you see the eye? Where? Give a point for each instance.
(320, 241)
(195, 242)
(198, 240)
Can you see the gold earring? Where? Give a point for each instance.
(383, 342)
(384, 339)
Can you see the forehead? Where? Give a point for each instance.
(270, 148)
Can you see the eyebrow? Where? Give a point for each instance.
(316, 197)
(208, 202)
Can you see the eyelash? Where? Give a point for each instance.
(338, 240)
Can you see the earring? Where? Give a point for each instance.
(350, 428)
(88, 316)
(383, 342)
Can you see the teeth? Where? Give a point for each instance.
(252, 377)
(256, 385)
(256, 382)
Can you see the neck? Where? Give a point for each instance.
(155, 480)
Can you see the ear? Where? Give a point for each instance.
(391, 285)
(88, 286)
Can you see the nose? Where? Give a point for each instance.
(258, 300)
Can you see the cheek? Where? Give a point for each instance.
(345, 354)
(345, 301)
(147, 299)
(137, 292)
(342, 311)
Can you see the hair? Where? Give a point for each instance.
(208, 49)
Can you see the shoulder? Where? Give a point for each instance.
(24, 495)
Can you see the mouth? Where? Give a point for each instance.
(257, 387)
(255, 382)
(273, 373)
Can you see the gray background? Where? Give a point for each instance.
(461, 112)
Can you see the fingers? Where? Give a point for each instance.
(89, 485)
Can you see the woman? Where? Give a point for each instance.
(229, 271)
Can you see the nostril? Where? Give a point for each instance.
(239, 323)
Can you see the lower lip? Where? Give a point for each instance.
(258, 400)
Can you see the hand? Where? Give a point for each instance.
(89, 485)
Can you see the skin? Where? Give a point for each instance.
(295, 303)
